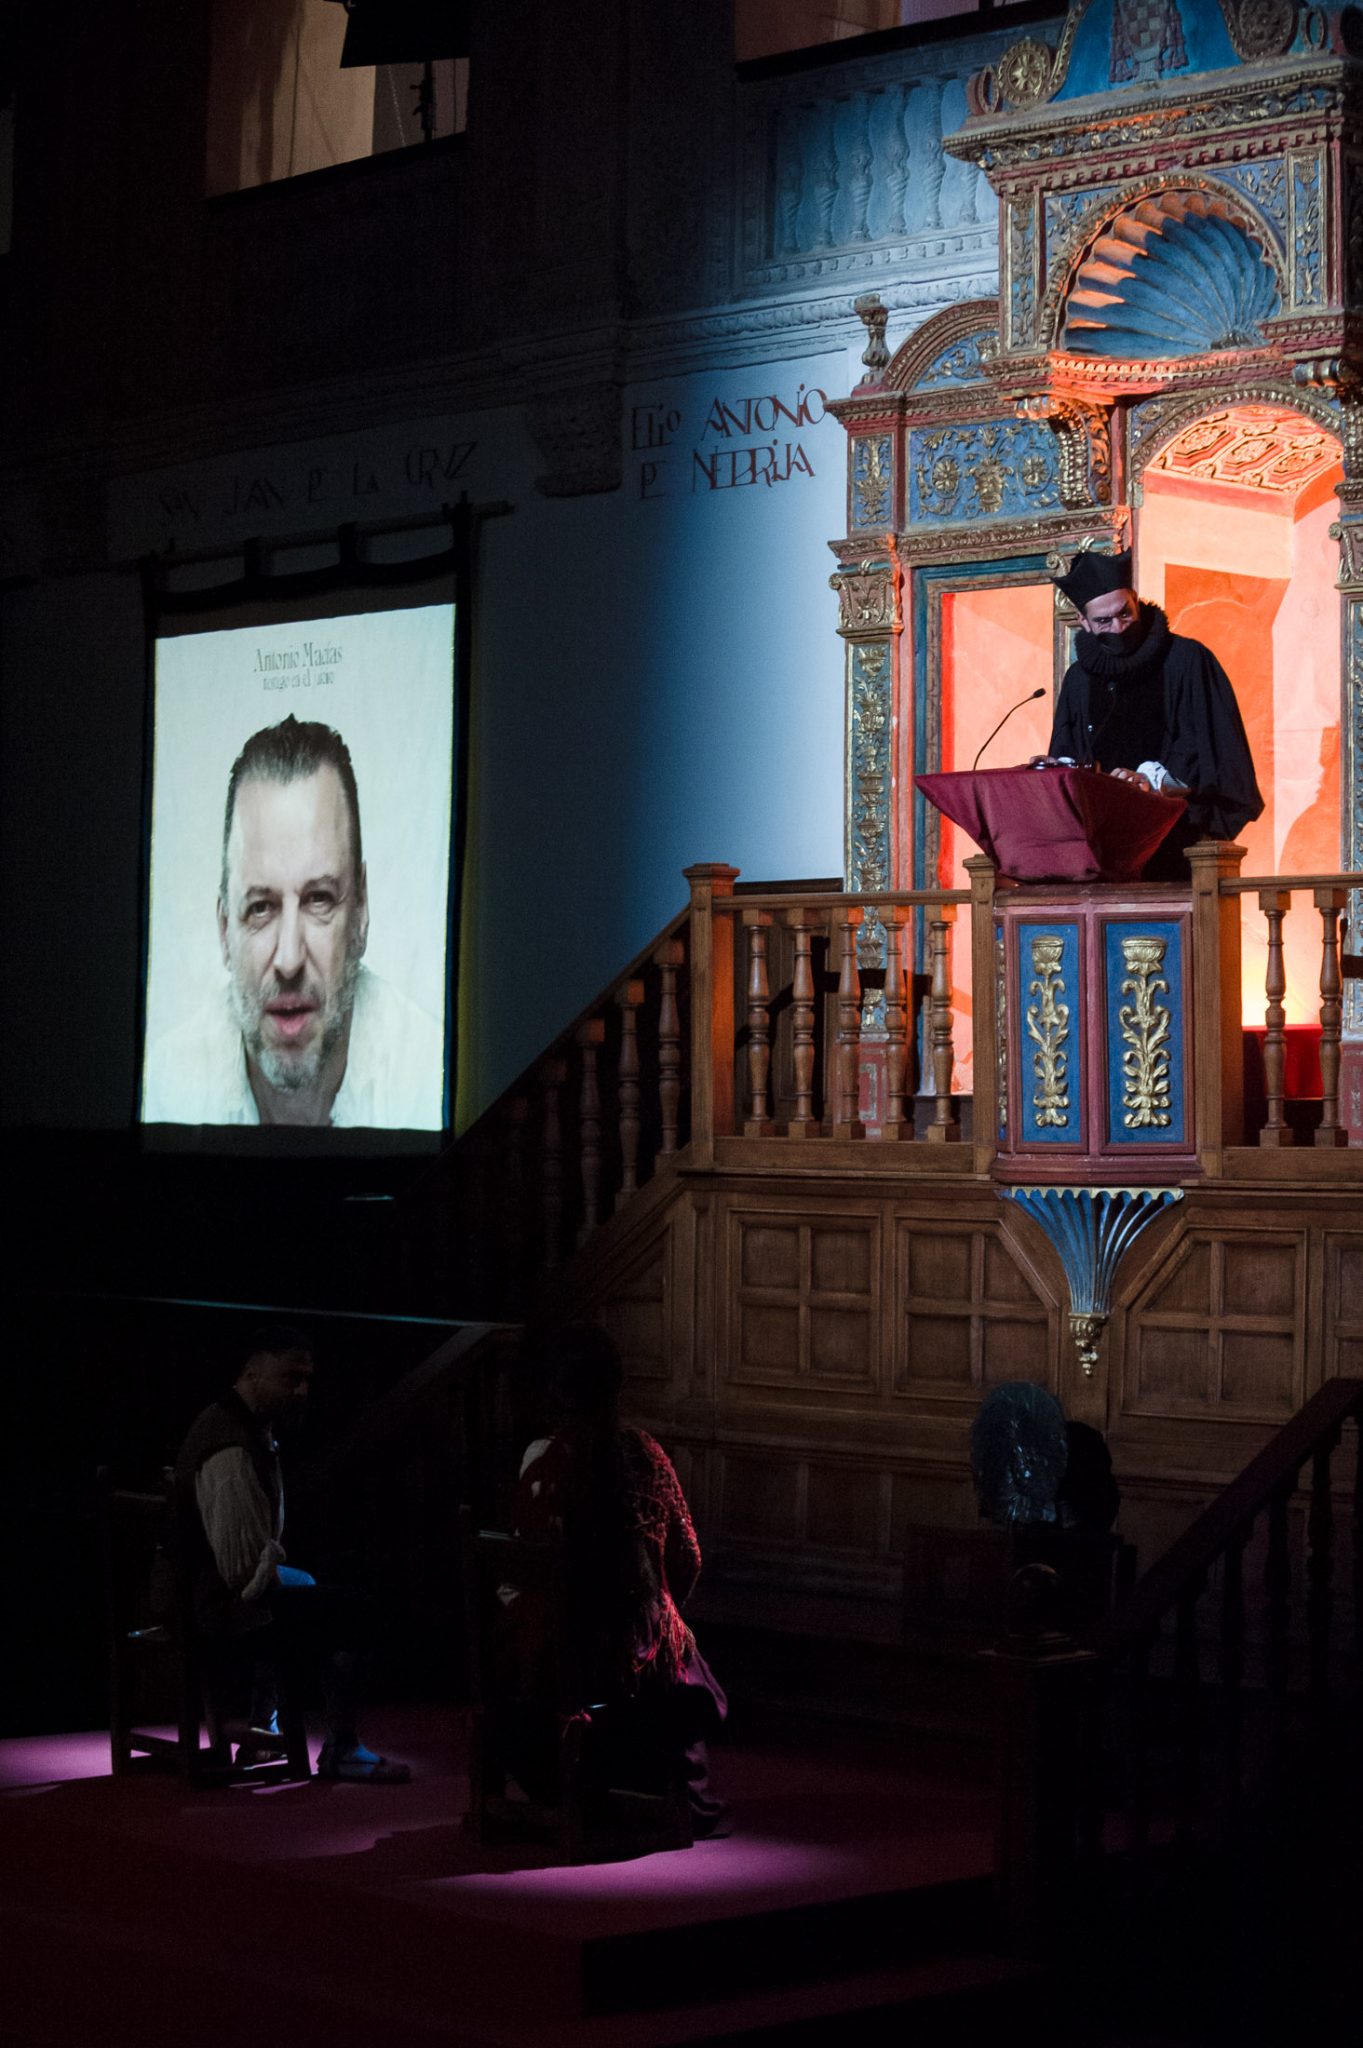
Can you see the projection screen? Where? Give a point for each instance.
(298, 936)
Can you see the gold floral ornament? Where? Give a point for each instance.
(1034, 471)
(946, 476)
(1145, 1024)
(1048, 1026)
(872, 480)
(989, 479)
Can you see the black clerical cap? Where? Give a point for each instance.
(1094, 575)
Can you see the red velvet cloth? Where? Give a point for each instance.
(1056, 824)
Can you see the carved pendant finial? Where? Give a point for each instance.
(874, 317)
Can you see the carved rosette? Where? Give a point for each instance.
(1048, 1027)
(1260, 28)
(869, 709)
(1145, 1024)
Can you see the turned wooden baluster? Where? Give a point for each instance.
(591, 1036)
(757, 1123)
(804, 1123)
(1233, 1668)
(1330, 902)
(1278, 1601)
(668, 960)
(1320, 1531)
(1275, 903)
(1188, 1685)
(629, 998)
(944, 1129)
(898, 1122)
(554, 1073)
(847, 1052)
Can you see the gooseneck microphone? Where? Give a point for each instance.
(1030, 698)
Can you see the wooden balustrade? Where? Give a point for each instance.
(1192, 1765)
(1329, 895)
(766, 1015)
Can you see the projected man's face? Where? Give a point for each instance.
(293, 926)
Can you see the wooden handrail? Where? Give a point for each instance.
(1186, 1563)
(767, 899)
(1244, 885)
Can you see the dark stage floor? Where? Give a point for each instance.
(135, 1910)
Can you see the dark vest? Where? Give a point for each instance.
(227, 1425)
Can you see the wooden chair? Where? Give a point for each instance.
(582, 1811)
(154, 1649)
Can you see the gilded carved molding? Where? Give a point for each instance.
(1352, 733)
(868, 599)
(1157, 422)
(869, 724)
(1145, 1024)
(1048, 1027)
(1084, 439)
(1300, 98)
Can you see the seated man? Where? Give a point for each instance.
(1153, 708)
(632, 1558)
(249, 1605)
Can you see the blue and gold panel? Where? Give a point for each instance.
(1146, 1054)
(990, 470)
(1051, 1061)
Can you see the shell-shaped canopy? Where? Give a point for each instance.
(1175, 275)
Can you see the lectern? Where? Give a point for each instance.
(1056, 824)
(1093, 967)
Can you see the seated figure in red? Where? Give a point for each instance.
(631, 1559)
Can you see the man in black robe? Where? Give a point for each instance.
(1153, 708)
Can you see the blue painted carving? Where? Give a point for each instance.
(962, 363)
(1196, 284)
(1092, 1229)
(1001, 469)
(1064, 210)
(1120, 44)
(1146, 1063)
(1265, 187)
(1306, 234)
(853, 168)
(872, 481)
(1050, 1105)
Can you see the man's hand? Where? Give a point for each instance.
(1133, 775)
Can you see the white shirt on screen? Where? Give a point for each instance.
(394, 1077)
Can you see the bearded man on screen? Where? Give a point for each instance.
(304, 1032)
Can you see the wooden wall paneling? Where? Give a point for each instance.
(1219, 1330)
(802, 1295)
(970, 1311)
(1342, 1346)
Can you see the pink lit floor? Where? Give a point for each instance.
(135, 1910)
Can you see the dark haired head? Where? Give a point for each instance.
(276, 1340)
(586, 1371)
(290, 752)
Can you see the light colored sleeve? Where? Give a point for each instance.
(1158, 776)
(235, 1513)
